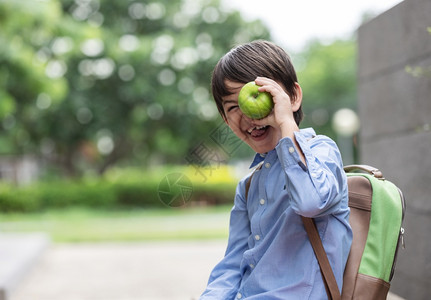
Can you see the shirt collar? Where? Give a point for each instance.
(258, 158)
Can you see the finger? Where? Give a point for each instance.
(268, 85)
(263, 80)
(273, 89)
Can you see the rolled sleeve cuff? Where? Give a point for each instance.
(288, 154)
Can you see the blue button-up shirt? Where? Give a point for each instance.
(269, 255)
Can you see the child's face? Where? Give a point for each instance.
(261, 139)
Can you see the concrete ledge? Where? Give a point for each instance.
(18, 252)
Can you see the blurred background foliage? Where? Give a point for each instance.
(89, 84)
(92, 85)
(327, 74)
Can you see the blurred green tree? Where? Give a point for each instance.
(327, 75)
(26, 86)
(87, 84)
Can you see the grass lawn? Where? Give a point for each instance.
(86, 225)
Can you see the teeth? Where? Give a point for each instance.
(255, 128)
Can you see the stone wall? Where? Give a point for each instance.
(395, 110)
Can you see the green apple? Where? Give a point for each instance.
(254, 104)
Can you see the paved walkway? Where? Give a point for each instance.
(131, 271)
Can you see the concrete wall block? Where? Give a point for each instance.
(396, 37)
(404, 160)
(395, 112)
(395, 103)
(402, 287)
(413, 272)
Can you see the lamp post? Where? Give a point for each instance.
(345, 123)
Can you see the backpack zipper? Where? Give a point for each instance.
(400, 236)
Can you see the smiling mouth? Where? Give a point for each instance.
(257, 131)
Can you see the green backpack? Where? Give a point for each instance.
(377, 209)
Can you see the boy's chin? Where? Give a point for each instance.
(265, 144)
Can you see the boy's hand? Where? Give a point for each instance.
(282, 114)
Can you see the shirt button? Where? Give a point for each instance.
(267, 165)
(238, 296)
(291, 149)
(262, 201)
(257, 237)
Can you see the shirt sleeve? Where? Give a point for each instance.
(225, 278)
(317, 188)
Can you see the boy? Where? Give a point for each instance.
(269, 255)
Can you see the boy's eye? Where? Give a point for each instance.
(232, 107)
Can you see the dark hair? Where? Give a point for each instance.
(246, 62)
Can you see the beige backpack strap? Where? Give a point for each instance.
(325, 268)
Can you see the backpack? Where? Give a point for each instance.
(377, 209)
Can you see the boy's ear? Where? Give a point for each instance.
(297, 102)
